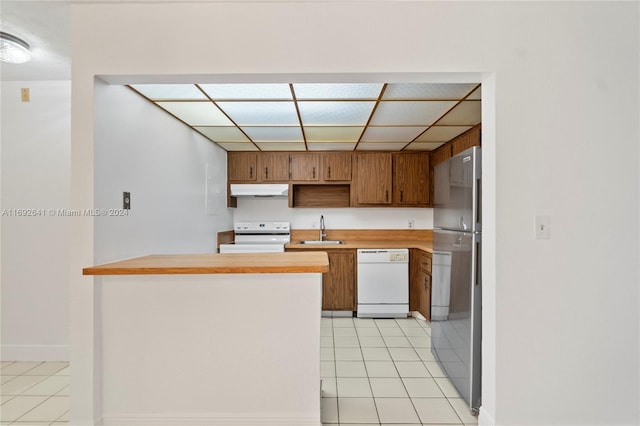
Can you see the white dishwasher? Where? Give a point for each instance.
(383, 283)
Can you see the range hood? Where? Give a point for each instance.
(260, 190)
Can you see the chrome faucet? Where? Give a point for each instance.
(322, 233)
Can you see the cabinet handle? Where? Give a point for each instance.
(251, 172)
(314, 172)
(425, 282)
(266, 172)
(400, 195)
(329, 172)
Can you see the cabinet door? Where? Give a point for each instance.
(305, 166)
(415, 279)
(339, 284)
(242, 166)
(373, 178)
(411, 179)
(336, 166)
(425, 299)
(275, 166)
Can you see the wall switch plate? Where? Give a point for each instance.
(126, 200)
(24, 94)
(542, 227)
(410, 224)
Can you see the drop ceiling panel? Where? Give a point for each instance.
(442, 133)
(261, 113)
(329, 113)
(196, 113)
(476, 95)
(380, 146)
(232, 146)
(410, 112)
(280, 146)
(331, 146)
(424, 146)
(467, 112)
(332, 134)
(157, 92)
(223, 134)
(274, 134)
(338, 91)
(391, 134)
(248, 91)
(453, 91)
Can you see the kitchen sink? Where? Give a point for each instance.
(325, 242)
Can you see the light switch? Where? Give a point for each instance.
(542, 227)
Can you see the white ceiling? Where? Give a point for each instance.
(242, 117)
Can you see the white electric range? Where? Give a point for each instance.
(258, 237)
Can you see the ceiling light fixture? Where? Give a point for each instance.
(13, 49)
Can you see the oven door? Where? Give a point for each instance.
(251, 248)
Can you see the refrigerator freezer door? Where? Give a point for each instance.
(457, 192)
(456, 310)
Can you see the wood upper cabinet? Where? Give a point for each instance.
(336, 166)
(274, 167)
(242, 166)
(420, 264)
(305, 166)
(373, 178)
(411, 179)
(339, 284)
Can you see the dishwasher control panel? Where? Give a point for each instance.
(398, 257)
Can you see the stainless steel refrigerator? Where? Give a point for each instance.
(456, 299)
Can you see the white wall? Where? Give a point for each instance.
(561, 325)
(163, 164)
(335, 218)
(35, 250)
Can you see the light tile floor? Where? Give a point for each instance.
(34, 393)
(382, 372)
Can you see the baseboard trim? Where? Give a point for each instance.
(211, 420)
(35, 353)
(485, 419)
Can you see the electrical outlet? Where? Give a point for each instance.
(126, 200)
(410, 224)
(542, 227)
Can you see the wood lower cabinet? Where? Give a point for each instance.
(420, 282)
(374, 178)
(339, 283)
(411, 179)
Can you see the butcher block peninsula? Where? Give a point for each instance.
(210, 339)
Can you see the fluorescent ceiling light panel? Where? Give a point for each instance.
(410, 113)
(197, 113)
(331, 146)
(424, 91)
(381, 146)
(332, 134)
(338, 91)
(467, 112)
(274, 134)
(391, 134)
(280, 146)
(424, 146)
(442, 133)
(223, 134)
(248, 91)
(158, 92)
(233, 146)
(328, 113)
(261, 113)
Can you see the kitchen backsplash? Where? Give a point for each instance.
(259, 209)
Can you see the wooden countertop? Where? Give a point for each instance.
(364, 244)
(227, 263)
